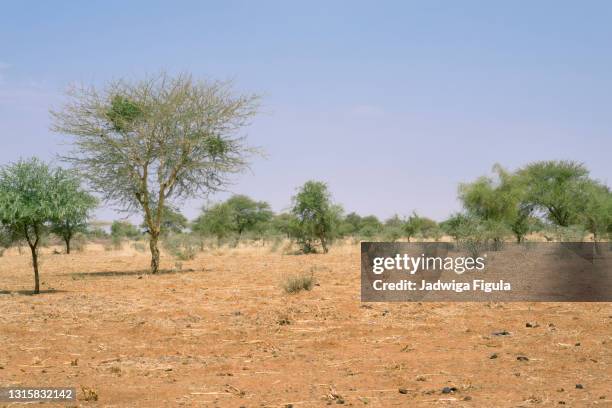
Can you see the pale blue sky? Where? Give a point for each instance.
(392, 103)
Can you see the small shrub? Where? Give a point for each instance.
(185, 247)
(295, 284)
(89, 394)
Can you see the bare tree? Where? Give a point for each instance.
(143, 144)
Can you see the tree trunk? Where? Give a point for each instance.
(324, 245)
(67, 240)
(35, 265)
(154, 252)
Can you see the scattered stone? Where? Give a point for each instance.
(602, 397)
(560, 389)
(288, 405)
(421, 378)
(561, 402)
(493, 356)
(522, 358)
(501, 333)
(385, 312)
(467, 398)
(577, 344)
(532, 325)
(449, 390)
(579, 386)
(403, 391)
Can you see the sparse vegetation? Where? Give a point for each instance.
(298, 283)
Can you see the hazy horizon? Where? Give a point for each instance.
(393, 104)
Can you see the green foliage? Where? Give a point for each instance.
(92, 232)
(75, 206)
(31, 197)
(281, 224)
(595, 210)
(236, 216)
(315, 218)
(556, 188)
(124, 229)
(417, 225)
(548, 192)
(366, 227)
(499, 201)
(182, 246)
(123, 113)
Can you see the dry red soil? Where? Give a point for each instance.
(221, 332)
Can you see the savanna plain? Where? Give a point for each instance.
(220, 331)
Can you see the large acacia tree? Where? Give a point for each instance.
(144, 144)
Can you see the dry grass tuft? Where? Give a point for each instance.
(295, 284)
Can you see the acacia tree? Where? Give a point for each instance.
(75, 207)
(556, 188)
(315, 217)
(237, 215)
(30, 198)
(143, 144)
(499, 202)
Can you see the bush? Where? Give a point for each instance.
(574, 233)
(392, 234)
(124, 229)
(182, 246)
(295, 284)
(315, 219)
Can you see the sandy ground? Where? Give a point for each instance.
(221, 332)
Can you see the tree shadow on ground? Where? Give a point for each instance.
(31, 292)
(142, 272)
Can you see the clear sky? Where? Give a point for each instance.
(392, 103)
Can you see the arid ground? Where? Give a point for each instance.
(219, 331)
